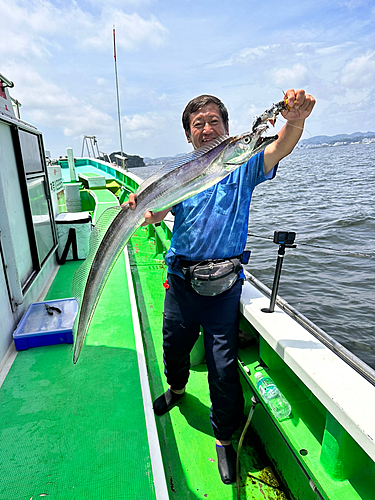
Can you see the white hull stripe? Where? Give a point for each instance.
(161, 489)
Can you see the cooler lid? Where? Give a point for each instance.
(73, 218)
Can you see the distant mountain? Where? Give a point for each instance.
(161, 160)
(133, 160)
(337, 140)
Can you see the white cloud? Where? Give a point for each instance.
(244, 120)
(50, 106)
(141, 126)
(101, 81)
(124, 3)
(355, 4)
(255, 52)
(221, 64)
(131, 31)
(25, 45)
(360, 71)
(163, 97)
(27, 28)
(245, 56)
(330, 50)
(59, 55)
(40, 39)
(297, 76)
(41, 16)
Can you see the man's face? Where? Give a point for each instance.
(206, 124)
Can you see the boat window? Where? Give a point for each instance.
(26, 217)
(36, 197)
(16, 242)
(20, 236)
(41, 217)
(30, 152)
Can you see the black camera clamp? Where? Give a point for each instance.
(285, 240)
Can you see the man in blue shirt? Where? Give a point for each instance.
(213, 225)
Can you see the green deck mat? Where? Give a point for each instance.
(72, 432)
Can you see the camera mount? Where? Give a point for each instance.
(284, 239)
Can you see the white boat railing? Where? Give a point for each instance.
(360, 366)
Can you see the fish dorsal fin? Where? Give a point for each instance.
(96, 237)
(181, 160)
(108, 216)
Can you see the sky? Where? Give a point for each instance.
(59, 54)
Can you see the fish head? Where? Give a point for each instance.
(243, 147)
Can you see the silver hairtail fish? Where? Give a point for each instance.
(175, 182)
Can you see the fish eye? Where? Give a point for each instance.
(246, 139)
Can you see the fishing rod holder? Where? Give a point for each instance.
(285, 239)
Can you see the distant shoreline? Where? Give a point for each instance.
(321, 141)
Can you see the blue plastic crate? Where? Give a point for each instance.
(38, 328)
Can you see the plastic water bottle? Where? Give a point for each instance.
(280, 407)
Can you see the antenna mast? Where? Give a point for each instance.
(123, 164)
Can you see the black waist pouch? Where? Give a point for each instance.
(212, 277)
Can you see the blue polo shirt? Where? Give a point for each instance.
(214, 223)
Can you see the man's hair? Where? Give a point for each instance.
(198, 103)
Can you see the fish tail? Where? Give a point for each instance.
(90, 278)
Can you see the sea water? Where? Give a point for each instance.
(326, 195)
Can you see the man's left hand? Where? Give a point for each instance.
(300, 105)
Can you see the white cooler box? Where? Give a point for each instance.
(81, 223)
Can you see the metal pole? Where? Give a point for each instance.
(118, 97)
(276, 280)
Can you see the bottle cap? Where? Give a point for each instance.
(258, 375)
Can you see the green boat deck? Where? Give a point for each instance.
(79, 431)
(73, 432)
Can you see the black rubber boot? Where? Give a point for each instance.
(226, 457)
(166, 402)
